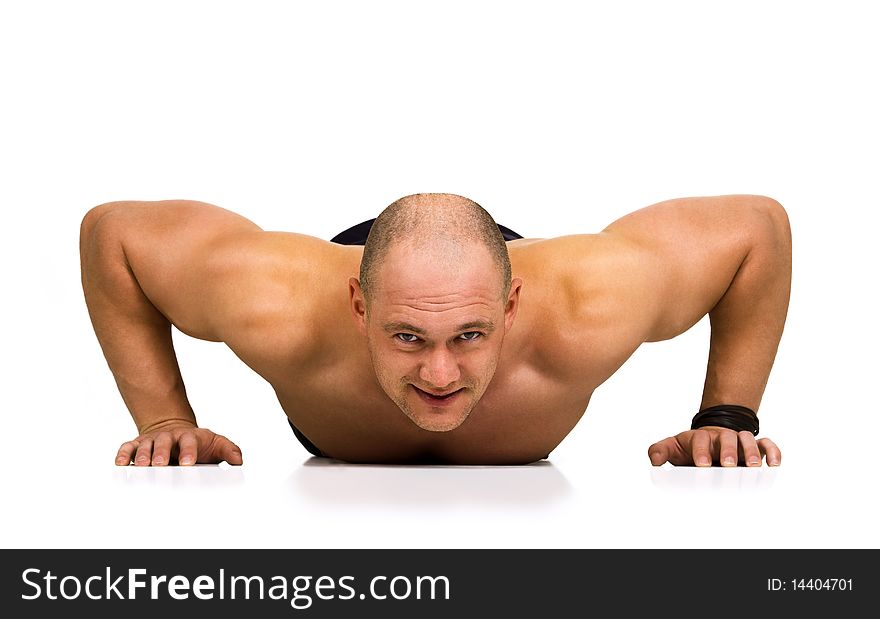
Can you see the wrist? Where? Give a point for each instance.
(730, 416)
(167, 424)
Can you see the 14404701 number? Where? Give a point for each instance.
(810, 584)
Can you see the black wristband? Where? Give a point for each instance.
(730, 416)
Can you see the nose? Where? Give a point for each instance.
(440, 368)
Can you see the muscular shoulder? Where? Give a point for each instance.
(584, 272)
(272, 289)
(647, 277)
(587, 300)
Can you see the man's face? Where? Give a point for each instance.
(435, 327)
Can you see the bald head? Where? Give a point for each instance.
(433, 222)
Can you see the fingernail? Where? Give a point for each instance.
(703, 461)
(728, 461)
(773, 463)
(754, 462)
(186, 460)
(121, 460)
(158, 460)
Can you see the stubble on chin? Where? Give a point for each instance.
(420, 421)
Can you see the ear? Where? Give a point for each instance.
(358, 304)
(512, 303)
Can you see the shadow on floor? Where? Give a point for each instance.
(332, 481)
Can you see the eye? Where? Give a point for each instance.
(409, 338)
(470, 336)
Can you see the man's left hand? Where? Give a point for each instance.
(713, 445)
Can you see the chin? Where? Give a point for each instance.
(442, 418)
(431, 423)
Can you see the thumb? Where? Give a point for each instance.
(658, 453)
(231, 453)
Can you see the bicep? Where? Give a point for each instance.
(684, 253)
(171, 248)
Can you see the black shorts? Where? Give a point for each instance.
(357, 235)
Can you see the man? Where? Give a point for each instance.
(438, 341)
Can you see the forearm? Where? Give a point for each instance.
(747, 323)
(134, 336)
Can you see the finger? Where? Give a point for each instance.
(658, 453)
(144, 452)
(770, 451)
(727, 446)
(700, 448)
(126, 450)
(162, 449)
(231, 453)
(670, 450)
(751, 454)
(188, 446)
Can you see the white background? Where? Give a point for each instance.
(558, 120)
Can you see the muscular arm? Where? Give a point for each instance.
(146, 266)
(728, 257)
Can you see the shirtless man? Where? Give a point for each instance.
(445, 343)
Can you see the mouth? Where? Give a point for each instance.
(433, 399)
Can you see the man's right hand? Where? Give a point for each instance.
(184, 445)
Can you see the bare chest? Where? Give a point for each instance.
(521, 418)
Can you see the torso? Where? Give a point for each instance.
(540, 390)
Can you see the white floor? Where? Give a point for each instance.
(558, 122)
(569, 503)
